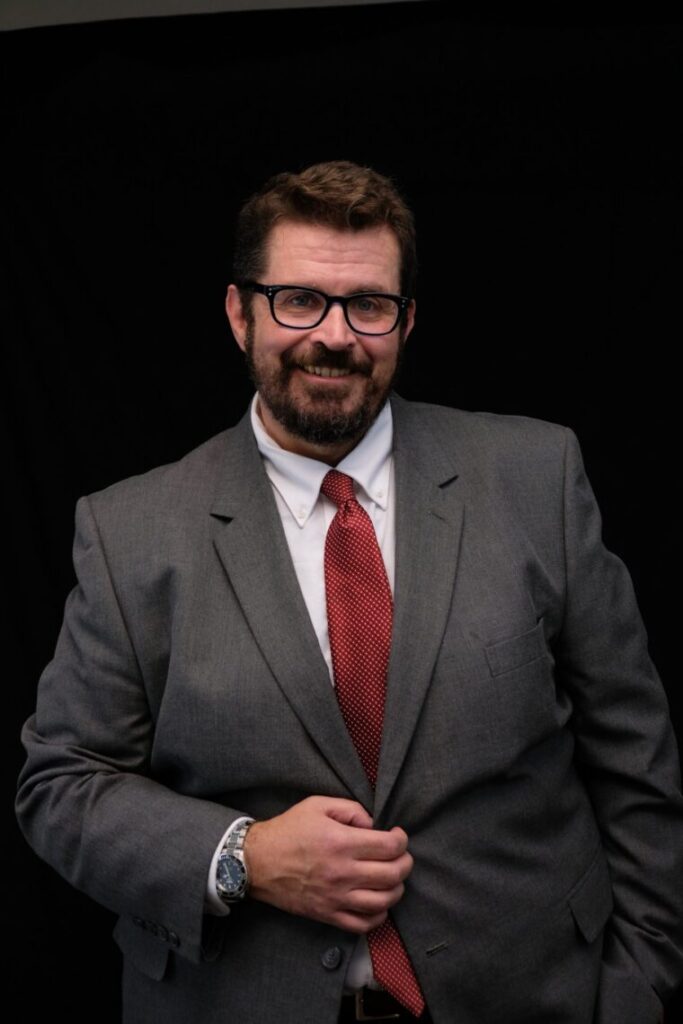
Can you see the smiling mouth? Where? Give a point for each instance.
(325, 371)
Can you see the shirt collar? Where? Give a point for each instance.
(297, 478)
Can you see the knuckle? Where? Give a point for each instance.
(407, 866)
(394, 876)
(382, 902)
(330, 874)
(367, 908)
(397, 894)
(400, 843)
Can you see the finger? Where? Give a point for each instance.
(348, 812)
(371, 901)
(372, 844)
(379, 874)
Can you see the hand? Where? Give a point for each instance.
(322, 859)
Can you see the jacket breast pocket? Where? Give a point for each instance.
(516, 651)
(493, 699)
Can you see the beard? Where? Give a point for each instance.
(319, 419)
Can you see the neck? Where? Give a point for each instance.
(330, 454)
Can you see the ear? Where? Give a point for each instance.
(410, 319)
(235, 313)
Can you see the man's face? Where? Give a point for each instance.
(321, 416)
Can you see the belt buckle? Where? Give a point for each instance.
(362, 1015)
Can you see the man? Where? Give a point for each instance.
(351, 716)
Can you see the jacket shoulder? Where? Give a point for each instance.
(483, 437)
(177, 486)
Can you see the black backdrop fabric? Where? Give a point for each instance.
(543, 162)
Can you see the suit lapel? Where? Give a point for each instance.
(251, 545)
(429, 518)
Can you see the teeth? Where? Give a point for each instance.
(325, 371)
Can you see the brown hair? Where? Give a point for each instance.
(338, 193)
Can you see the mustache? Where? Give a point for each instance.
(331, 359)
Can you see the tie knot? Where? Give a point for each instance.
(338, 487)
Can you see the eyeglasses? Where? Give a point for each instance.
(304, 308)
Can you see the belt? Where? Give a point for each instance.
(371, 1004)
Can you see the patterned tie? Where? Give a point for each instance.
(359, 616)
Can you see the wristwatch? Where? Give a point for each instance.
(232, 879)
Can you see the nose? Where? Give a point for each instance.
(333, 331)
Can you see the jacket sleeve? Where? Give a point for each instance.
(86, 802)
(626, 752)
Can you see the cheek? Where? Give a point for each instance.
(386, 358)
(269, 349)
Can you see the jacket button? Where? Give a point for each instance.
(173, 939)
(331, 958)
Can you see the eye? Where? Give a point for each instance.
(371, 307)
(300, 299)
(296, 300)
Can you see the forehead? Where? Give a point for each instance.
(322, 256)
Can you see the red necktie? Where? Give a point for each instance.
(359, 616)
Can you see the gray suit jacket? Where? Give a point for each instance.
(527, 749)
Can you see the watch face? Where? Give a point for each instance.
(230, 875)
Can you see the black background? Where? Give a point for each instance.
(543, 162)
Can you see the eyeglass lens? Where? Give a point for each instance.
(373, 314)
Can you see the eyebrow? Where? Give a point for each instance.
(356, 290)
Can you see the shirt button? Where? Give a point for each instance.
(331, 958)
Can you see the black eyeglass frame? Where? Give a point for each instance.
(271, 290)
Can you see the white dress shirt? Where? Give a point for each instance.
(306, 515)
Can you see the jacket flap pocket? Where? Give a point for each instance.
(145, 950)
(591, 900)
(516, 651)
